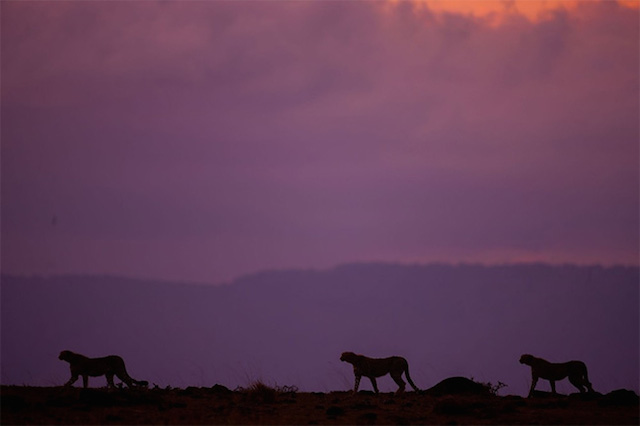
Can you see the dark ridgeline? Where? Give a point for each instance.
(290, 327)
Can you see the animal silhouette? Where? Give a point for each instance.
(378, 367)
(543, 369)
(107, 366)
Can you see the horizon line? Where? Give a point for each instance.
(337, 266)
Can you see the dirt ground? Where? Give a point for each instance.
(264, 405)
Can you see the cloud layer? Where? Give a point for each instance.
(201, 141)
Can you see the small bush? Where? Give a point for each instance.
(287, 389)
(259, 392)
(493, 389)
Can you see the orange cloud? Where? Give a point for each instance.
(494, 10)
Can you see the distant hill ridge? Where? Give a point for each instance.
(353, 269)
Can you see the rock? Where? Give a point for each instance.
(457, 386)
(619, 397)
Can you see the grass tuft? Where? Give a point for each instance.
(258, 392)
(261, 393)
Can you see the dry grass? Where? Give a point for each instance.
(263, 404)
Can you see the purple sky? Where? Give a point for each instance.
(204, 140)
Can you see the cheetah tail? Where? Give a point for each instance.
(413, 385)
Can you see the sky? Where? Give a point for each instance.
(200, 141)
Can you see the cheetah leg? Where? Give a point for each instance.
(534, 380)
(398, 379)
(374, 383)
(355, 388)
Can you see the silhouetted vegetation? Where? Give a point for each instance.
(261, 393)
(259, 403)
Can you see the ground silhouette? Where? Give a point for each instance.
(262, 404)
